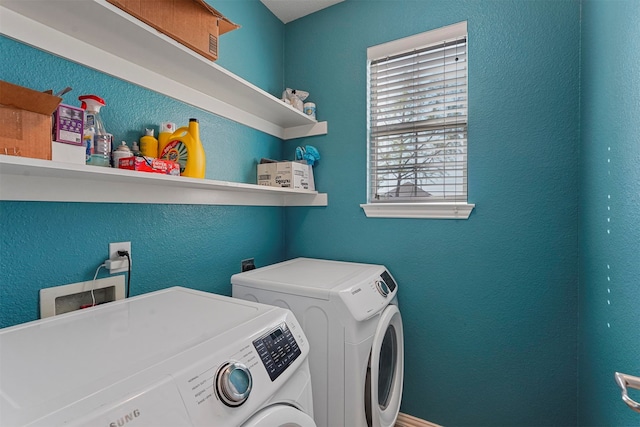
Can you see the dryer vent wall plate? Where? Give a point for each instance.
(74, 296)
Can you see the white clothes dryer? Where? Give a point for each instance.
(173, 358)
(350, 315)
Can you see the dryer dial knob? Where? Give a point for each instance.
(233, 383)
(382, 288)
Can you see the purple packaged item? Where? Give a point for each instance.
(68, 124)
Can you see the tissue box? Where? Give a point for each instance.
(149, 164)
(286, 174)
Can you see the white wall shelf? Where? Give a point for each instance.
(101, 36)
(25, 179)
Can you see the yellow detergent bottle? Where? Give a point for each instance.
(185, 147)
(166, 130)
(149, 144)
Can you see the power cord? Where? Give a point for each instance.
(126, 254)
(93, 285)
(118, 263)
(108, 265)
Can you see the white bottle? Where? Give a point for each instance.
(120, 153)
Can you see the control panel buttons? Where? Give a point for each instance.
(277, 349)
(233, 383)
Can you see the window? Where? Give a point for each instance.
(417, 126)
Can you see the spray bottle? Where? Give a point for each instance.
(98, 141)
(185, 147)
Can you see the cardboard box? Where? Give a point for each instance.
(286, 174)
(25, 121)
(192, 23)
(149, 164)
(68, 124)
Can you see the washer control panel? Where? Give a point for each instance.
(277, 350)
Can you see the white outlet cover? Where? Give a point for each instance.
(113, 255)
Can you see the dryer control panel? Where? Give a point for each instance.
(277, 350)
(371, 295)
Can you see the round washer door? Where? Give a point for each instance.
(280, 416)
(387, 369)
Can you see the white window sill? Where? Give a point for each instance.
(418, 210)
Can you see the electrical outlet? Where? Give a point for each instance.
(247, 264)
(113, 255)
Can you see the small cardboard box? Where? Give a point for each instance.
(286, 174)
(25, 121)
(192, 23)
(149, 164)
(68, 124)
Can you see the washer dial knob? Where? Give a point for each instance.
(382, 288)
(233, 383)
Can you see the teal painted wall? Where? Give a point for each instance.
(489, 304)
(50, 244)
(609, 210)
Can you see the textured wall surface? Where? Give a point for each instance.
(50, 244)
(489, 304)
(609, 210)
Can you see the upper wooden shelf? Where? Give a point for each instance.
(25, 179)
(101, 36)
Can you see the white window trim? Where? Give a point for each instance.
(417, 210)
(419, 40)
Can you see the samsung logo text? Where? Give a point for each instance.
(120, 422)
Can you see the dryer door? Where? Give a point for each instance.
(280, 416)
(386, 371)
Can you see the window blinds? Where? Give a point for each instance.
(418, 124)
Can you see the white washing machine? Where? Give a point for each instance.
(348, 312)
(176, 357)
